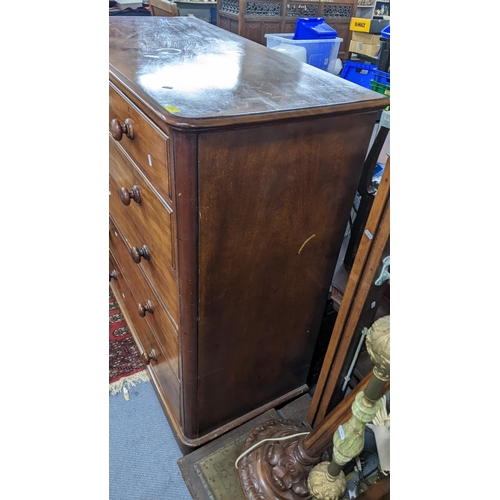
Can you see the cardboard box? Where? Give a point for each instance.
(161, 8)
(368, 38)
(359, 24)
(374, 26)
(364, 48)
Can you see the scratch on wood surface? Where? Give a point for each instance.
(305, 242)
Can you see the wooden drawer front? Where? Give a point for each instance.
(150, 224)
(149, 219)
(162, 371)
(128, 305)
(158, 320)
(157, 268)
(158, 365)
(148, 147)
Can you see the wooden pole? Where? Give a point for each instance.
(360, 278)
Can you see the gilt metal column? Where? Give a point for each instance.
(327, 481)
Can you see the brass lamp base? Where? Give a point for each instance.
(325, 487)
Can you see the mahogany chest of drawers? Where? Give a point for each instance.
(232, 170)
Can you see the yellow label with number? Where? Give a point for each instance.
(172, 109)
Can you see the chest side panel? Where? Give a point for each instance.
(273, 207)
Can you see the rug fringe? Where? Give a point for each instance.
(132, 380)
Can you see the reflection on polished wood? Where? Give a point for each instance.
(210, 77)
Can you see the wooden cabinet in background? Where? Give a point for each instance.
(254, 19)
(232, 171)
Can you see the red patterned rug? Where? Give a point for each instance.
(125, 365)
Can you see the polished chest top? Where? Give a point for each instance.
(194, 72)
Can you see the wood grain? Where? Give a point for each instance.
(269, 241)
(149, 147)
(186, 211)
(228, 81)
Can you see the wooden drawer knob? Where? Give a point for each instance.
(146, 308)
(138, 254)
(112, 275)
(126, 195)
(118, 130)
(147, 358)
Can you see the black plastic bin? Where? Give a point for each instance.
(384, 55)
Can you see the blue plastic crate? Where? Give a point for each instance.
(382, 77)
(359, 73)
(312, 28)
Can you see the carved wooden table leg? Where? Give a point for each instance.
(279, 468)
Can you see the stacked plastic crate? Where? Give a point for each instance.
(372, 76)
(313, 42)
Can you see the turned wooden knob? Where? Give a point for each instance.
(138, 254)
(112, 275)
(148, 357)
(118, 130)
(126, 195)
(144, 309)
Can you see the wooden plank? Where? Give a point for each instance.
(351, 305)
(368, 277)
